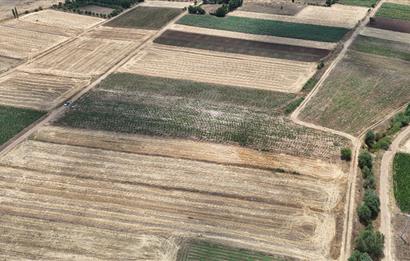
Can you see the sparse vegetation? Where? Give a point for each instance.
(293, 105)
(371, 242)
(14, 120)
(366, 3)
(267, 27)
(394, 11)
(346, 154)
(401, 181)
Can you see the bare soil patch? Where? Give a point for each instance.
(406, 147)
(240, 46)
(401, 240)
(22, 6)
(243, 70)
(97, 9)
(386, 34)
(390, 24)
(106, 191)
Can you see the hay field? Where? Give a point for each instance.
(168, 4)
(386, 35)
(112, 194)
(337, 15)
(38, 91)
(22, 6)
(239, 70)
(361, 90)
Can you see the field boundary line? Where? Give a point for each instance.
(59, 110)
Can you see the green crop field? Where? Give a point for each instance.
(158, 106)
(266, 27)
(394, 11)
(401, 178)
(382, 47)
(146, 18)
(205, 251)
(361, 90)
(14, 120)
(365, 3)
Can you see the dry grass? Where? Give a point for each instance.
(238, 70)
(22, 6)
(8, 63)
(113, 195)
(168, 4)
(37, 91)
(336, 15)
(386, 35)
(406, 147)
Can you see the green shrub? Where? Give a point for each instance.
(221, 11)
(364, 213)
(359, 256)
(320, 65)
(366, 172)
(365, 160)
(293, 105)
(371, 199)
(346, 154)
(371, 242)
(196, 9)
(383, 143)
(370, 138)
(370, 182)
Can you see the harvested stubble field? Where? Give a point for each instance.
(38, 91)
(144, 17)
(253, 72)
(22, 6)
(386, 35)
(240, 46)
(382, 47)
(7, 63)
(167, 4)
(336, 15)
(266, 27)
(112, 194)
(361, 90)
(13, 120)
(225, 114)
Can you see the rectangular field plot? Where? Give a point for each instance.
(390, 24)
(240, 46)
(394, 11)
(386, 35)
(401, 177)
(266, 27)
(222, 68)
(382, 47)
(164, 107)
(14, 120)
(38, 91)
(108, 195)
(144, 17)
(361, 90)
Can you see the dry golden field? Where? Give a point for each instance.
(22, 6)
(90, 197)
(238, 70)
(38, 91)
(336, 15)
(6, 63)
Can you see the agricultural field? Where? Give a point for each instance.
(271, 7)
(341, 105)
(336, 15)
(401, 224)
(382, 47)
(401, 181)
(392, 16)
(386, 35)
(13, 120)
(166, 4)
(364, 3)
(223, 114)
(252, 72)
(394, 11)
(22, 6)
(266, 27)
(132, 195)
(96, 9)
(241, 46)
(7, 63)
(146, 17)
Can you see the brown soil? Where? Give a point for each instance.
(390, 24)
(97, 9)
(401, 240)
(7, 63)
(223, 44)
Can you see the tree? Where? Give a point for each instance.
(371, 242)
(370, 138)
(359, 256)
(371, 199)
(369, 182)
(346, 154)
(221, 11)
(364, 213)
(365, 160)
(366, 172)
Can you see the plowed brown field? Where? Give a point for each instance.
(238, 70)
(116, 196)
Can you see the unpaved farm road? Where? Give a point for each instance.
(54, 114)
(385, 178)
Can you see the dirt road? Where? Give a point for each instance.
(385, 192)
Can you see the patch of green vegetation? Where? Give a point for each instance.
(293, 105)
(176, 108)
(266, 27)
(401, 180)
(382, 47)
(365, 3)
(310, 84)
(14, 120)
(394, 11)
(206, 251)
(146, 18)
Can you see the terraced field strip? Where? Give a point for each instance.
(19, 24)
(341, 105)
(121, 34)
(337, 15)
(386, 35)
(390, 24)
(38, 91)
(167, 4)
(271, 7)
(266, 27)
(254, 37)
(364, 3)
(382, 47)
(186, 149)
(243, 70)
(394, 11)
(240, 46)
(117, 191)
